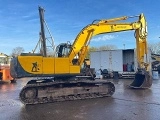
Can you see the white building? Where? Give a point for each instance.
(123, 61)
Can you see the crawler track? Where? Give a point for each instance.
(41, 92)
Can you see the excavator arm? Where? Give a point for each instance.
(81, 43)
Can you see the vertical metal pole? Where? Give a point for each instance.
(41, 14)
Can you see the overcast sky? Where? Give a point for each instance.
(20, 26)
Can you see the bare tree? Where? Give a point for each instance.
(50, 52)
(155, 48)
(105, 47)
(17, 51)
(89, 51)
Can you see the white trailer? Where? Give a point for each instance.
(123, 61)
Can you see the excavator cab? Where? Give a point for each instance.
(62, 50)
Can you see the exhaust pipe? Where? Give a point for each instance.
(142, 79)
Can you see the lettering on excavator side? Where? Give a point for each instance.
(121, 27)
(112, 28)
(35, 67)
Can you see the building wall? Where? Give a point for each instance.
(111, 60)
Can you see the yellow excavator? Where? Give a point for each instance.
(62, 77)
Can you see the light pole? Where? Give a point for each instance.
(124, 46)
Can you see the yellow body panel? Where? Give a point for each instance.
(74, 69)
(31, 64)
(61, 65)
(48, 65)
